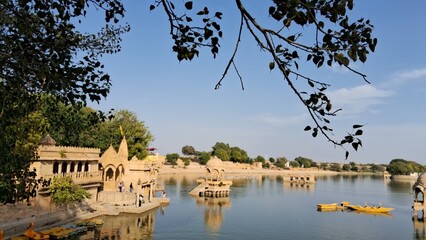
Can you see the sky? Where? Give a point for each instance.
(179, 105)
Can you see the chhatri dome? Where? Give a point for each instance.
(214, 162)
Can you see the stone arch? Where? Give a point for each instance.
(79, 166)
(109, 174)
(419, 193)
(72, 166)
(86, 166)
(64, 167)
(55, 167)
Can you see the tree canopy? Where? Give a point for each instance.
(404, 167)
(122, 123)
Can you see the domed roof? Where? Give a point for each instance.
(421, 181)
(214, 162)
(48, 141)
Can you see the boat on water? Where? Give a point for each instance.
(375, 214)
(327, 206)
(370, 209)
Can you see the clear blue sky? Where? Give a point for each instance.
(179, 105)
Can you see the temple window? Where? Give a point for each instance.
(79, 167)
(86, 167)
(72, 167)
(64, 167)
(55, 167)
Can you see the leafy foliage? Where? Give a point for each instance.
(305, 162)
(404, 167)
(281, 161)
(188, 150)
(172, 158)
(337, 40)
(203, 157)
(108, 133)
(65, 192)
(41, 51)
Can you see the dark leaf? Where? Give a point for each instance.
(188, 5)
(358, 132)
(307, 128)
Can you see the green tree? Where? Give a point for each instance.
(346, 167)
(281, 161)
(186, 162)
(337, 40)
(109, 132)
(304, 162)
(69, 125)
(41, 51)
(272, 160)
(188, 150)
(404, 167)
(294, 164)
(65, 192)
(222, 151)
(324, 166)
(259, 159)
(377, 168)
(238, 155)
(172, 158)
(203, 157)
(19, 139)
(335, 167)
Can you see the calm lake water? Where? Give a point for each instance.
(265, 207)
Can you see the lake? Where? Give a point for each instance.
(265, 207)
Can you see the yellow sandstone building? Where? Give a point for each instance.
(107, 177)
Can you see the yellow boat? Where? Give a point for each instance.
(327, 206)
(370, 209)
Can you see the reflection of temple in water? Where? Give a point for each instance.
(125, 226)
(419, 228)
(295, 185)
(213, 215)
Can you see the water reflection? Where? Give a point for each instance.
(124, 226)
(213, 212)
(299, 186)
(419, 229)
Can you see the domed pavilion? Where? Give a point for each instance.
(213, 185)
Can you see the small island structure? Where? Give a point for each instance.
(213, 185)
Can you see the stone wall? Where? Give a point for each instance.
(118, 198)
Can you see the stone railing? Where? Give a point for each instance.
(79, 177)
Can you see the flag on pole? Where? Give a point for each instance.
(121, 131)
